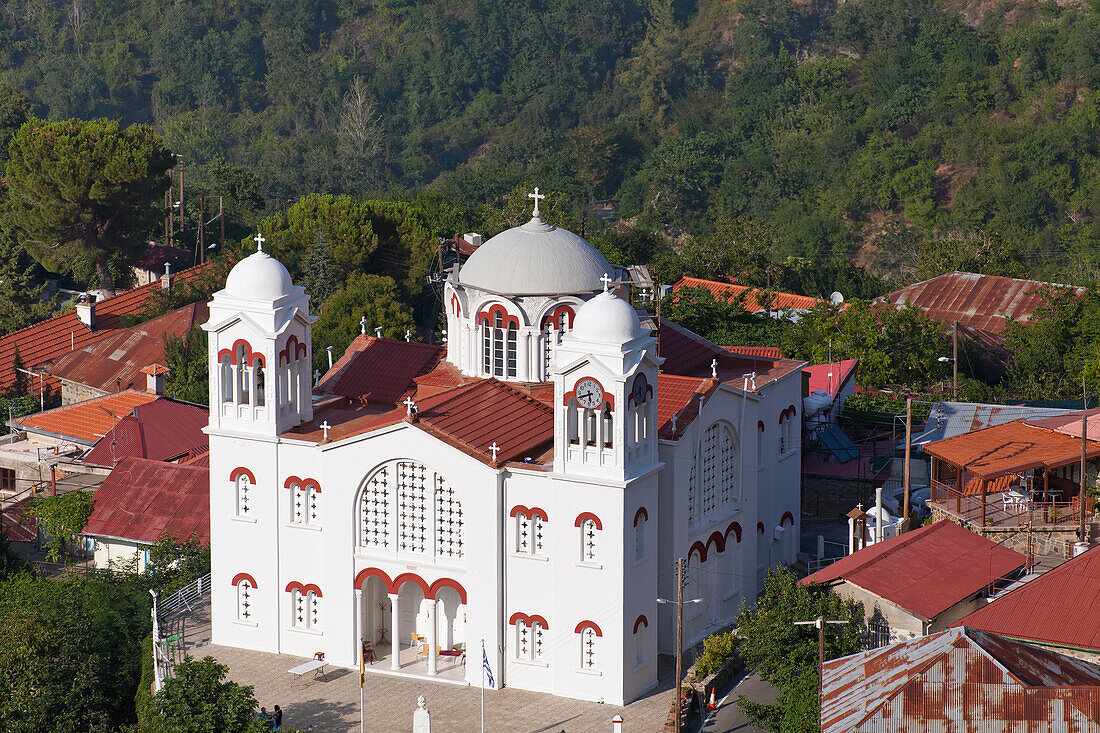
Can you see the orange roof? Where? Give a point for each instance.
(773, 352)
(679, 396)
(61, 334)
(1010, 448)
(781, 301)
(84, 422)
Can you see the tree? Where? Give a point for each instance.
(723, 321)
(61, 518)
(738, 248)
(785, 655)
(174, 563)
(321, 278)
(86, 191)
(20, 284)
(14, 111)
(359, 134)
(188, 371)
(373, 296)
(199, 699)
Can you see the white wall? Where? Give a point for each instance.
(111, 553)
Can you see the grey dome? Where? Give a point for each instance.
(535, 259)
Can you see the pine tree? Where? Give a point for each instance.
(20, 284)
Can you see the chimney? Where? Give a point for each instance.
(166, 278)
(154, 378)
(85, 311)
(472, 238)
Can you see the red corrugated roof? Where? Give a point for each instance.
(156, 255)
(63, 333)
(685, 351)
(1010, 447)
(926, 571)
(380, 370)
(773, 352)
(17, 526)
(142, 500)
(117, 359)
(782, 301)
(1059, 607)
(831, 377)
(161, 430)
(85, 422)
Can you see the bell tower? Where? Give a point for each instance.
(605, 380)
(260, 339)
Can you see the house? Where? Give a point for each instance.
(1056, 610)
(530, 486)
(151, 264)
(923, 581)
(782, 305)
(162, 430)
(143, 500)
(115, 361)
(962, 679)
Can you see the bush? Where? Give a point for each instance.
(717, 650)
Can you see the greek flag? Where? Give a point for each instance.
(488, 671)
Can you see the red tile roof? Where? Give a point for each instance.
(782, 301)
(773, 352)
(161, 430)
(84, 422)
(981, 302)
(831, 377)
(380, 370)
(1058, 608)
(688, 354)
(680, 396)
(60, 334)
(926, 571)
(1010, 448)
(142, 500)
(120, 357)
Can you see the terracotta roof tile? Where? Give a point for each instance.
(142, 500)
(1009, 447)
(782, 301)
(688, 354)
(84, 422)
(161, 430)
(773, 352)
(679, 396)
(17, 526)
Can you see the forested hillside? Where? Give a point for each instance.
(891, 132)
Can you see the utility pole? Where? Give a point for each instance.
(221, 216)
(171, 212)
(1084, 424)
(202, 229)
(820, 622)
(681, 566)
(905, 468)
(181, 196)
(955, 361)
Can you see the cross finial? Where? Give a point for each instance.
(326, 427)
(259, 240)
(606, 280)
(410, 406)
(674, 416)
(494, 447)
(537, 197)
(363, 325)
(378, 331)
(714, 368)
(408, 335)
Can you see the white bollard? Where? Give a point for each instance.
(821, 547)
(617, 724)
(422, 719)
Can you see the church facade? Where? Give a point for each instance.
(527, 487)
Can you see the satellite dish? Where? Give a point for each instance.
(836, 298)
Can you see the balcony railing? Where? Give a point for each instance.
(1004, 508)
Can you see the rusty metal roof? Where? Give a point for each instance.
(161, 430)
(926, 571)
(117, 360)
(960, 680)
(982, 302)
(831, 377)
(380, 370)
(142, 500)
(1010, 448)
(84, 422)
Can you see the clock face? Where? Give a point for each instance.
(640, 390)
(589, 393)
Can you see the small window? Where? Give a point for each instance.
(589, 427)
(639, 539)
(244, 601)
(588, 541)
(227, 379)
(260, 386)
(244, 495)
(306, 610)
(305, 503)
(7, 479)
(571, 422)
(588, 649)
(530, 640)
(608, 426)
(530, 533)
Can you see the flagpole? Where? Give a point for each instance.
(482, 686)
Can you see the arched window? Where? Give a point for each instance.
(305, 606)
(759, 445)
(530, 531)
(718, 468)
(499, 344)
(406, 507)
(244, 599)
(589, 427)
(242, 374)
(589, 635)
(608, 425)
(555, 326)
(448, 520)
(693, 493)
(260, 385)
(639, 534)
(227, 378)
(531, 639)
(243, 482)
(305, 501)
(571, 422)
(374, 510)
(641, 625)
(589, 525)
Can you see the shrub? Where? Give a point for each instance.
(717, 650)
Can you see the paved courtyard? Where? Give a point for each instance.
(332, 704)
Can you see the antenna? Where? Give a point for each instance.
(836, 298)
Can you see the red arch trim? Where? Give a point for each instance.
(488, 316)
(400, 580)
(304, 483)
(244, 576)
(700, 548)
(251, 357)
(456, 305)
(785, 517)
(735, 528)
(791, 411)
(295, 585)
(294, 348)
(589, 625)
(719, 541)
(553, 317)
(529, 620)
(641, 513)
(760, 527)
(361, 578)
(241, 470)
(588, 515)
(531, 513)
(447, 583)
(640, 621)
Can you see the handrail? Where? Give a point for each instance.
(185, 596)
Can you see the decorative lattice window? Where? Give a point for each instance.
(709, 469)
(374, 510)
(244, 495)
(298, 509)
(588, 540)
(639, 539)
(538, 646)
(305, 503)
(523, 640)
(313, 601)
(548, 350)
(244, 601)
(299, 618)
(588, 648)
(448, 520)
(530, 640)
(412, 507)
(718, 468)
(530, 531)
(523, 532)
(692, 494)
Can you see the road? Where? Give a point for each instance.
(729, 718)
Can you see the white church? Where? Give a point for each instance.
(528, 486)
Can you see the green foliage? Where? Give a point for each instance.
(14, 111)
(86, 193)
(199, 699)
(174, 563)
(717, 650)
(70, 651)
(724, 322)
(62, 519)
(20, 283)
(189, 374)
(785, 655)
(10, 564)
(373, 296)
(143, 698)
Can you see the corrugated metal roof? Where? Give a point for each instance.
(831, 377)
(142, 500)
(960, 680)
(948, 419)
(160, 430)
(781, 302)
(116, 360)
(84, 422)
(1010, 448)
(380, 370)
(1069, 422)
(926, 571)
(983, 302)
(688, 354)
(1059, 607)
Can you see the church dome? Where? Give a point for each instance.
(606, 319)
(535, 259)
(259, 277)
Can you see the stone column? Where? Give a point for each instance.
(525, 370)
(430, 609)
(395, 637)
(233, 387)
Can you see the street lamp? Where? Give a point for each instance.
(954, 359)
(820, 622)
(680, 564)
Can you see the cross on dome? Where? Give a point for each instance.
(494, 447)
(410, 405)
(606, 280)
(537, 197)
(326, 427)
(259, 239)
